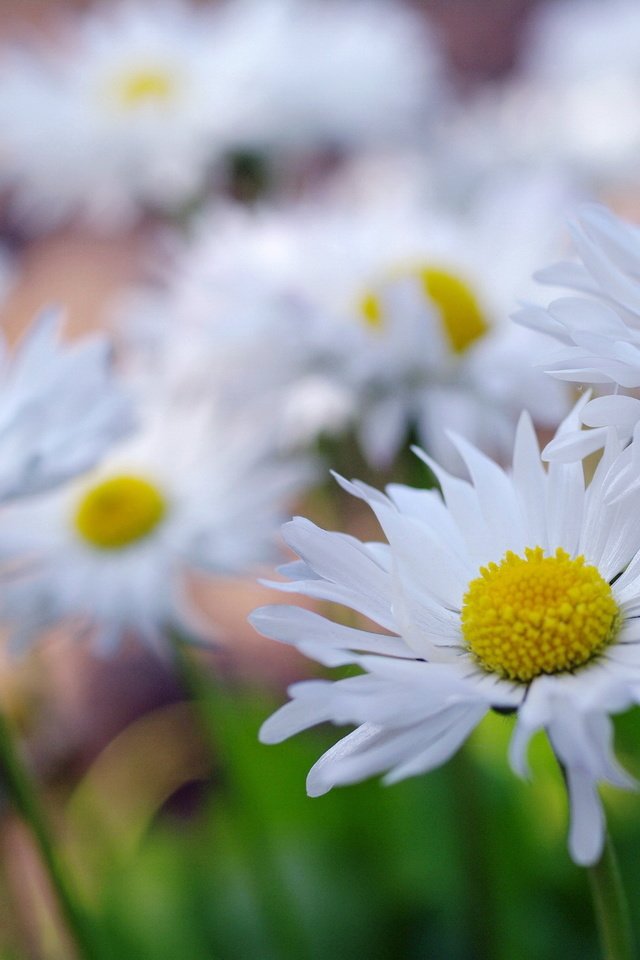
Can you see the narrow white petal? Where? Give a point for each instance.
(463, 504)
(319, 778)
(530, 481)
(447, 742)
(310, 708)
(575, 446)
(496, 497)
(296, 625)
(586, 831)
(612, 411)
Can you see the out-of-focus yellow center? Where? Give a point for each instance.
(371, 310)
(463, 321)
(119, 511)
(536, 614)
(143, 86)
(462, 318)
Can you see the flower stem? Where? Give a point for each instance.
(611, 907)
(480, 909)
(23, 795)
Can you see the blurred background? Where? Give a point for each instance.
(255, 200)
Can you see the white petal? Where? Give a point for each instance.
(575, 446)
(312, 706)
(319, 779)
(447, 742)
(587, 827)
(463, 504)
(496, 497)
(422, 561)
(530, 481)
(344, 562)
(612, 411)
(297, 626)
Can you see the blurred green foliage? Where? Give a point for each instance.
(466, 863)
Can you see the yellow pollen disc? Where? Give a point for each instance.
(145, 86)
(462, 318)
(530, 615)
(463, 321)
(371, 310)
(119, 511)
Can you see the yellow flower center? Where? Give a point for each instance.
(119, 511)
(530, 615)
(143, 86)
(463, 321)
(371, 310)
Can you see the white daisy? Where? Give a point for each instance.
(516, 591)
(137, 102)
(224, 319)
(61, 408)
(111, 551)
(416, 299)
(325, 67)
(398, 307)
(129, 110)
(599, 333)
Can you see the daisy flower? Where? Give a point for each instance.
(599, 332)
(514, 591)
(110, 552)
(61, 408)
(215, 317)
(325, 67)
(139, 104)
(397, 306)
(129, 111)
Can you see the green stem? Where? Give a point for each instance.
(23, 795)
(611, 907)
(270, 887)
(481, 913)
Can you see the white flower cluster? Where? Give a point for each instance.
(113, 491)
(513, 590)
(135, 104)
(358, 293)
(381, 309)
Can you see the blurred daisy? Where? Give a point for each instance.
(516, 591)
(397, 307)
(128, 111)
(223, 316)
(138, 102)
(600, 332)
(111, 551)
(325, 66)
(61, 408)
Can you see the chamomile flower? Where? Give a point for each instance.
(397, 306)
(61, 408)
(110, 552)
(599, 332)
(139, 104)
(129, 111)
(512, 591)
(214, 320)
